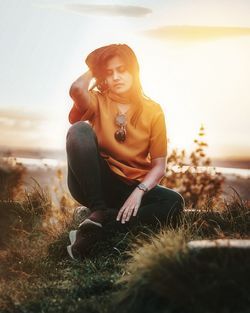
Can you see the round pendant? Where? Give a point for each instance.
(120, 119)
(120, 134)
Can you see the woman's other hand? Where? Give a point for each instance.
(130, 206)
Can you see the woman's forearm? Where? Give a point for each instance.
(153, 177)
(81, 84)
(80, 94)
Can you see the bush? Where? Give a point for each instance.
(11, 175)
(196, 187)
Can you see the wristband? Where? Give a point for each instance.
(143, 187)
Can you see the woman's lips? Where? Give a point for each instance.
(118, 85)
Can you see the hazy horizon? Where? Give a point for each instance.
(48, 152)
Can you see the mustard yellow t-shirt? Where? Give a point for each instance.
(131, 159)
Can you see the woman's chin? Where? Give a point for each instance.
(121, 92)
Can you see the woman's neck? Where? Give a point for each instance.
(119, 98)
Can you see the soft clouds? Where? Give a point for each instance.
(195, 33)
(11, 120)
(103, 9)
(20, 129)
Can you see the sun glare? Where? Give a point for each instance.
(200, 84)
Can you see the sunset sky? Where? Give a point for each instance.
(193, 55)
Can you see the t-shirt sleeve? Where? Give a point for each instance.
(83, 112)
(158, 137)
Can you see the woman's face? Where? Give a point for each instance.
(118, 78)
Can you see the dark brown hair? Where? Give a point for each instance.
(97, 61)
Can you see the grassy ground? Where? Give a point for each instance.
(146, 269)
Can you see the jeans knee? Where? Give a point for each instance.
(77, 128)
(179, 202)
(79, 132)
(171, 196)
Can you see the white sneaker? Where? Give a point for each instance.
(82, 240)
(100, 217)
(72, 238)
(90, 221)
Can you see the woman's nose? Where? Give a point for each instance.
(115, 75)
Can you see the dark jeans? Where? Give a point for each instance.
(93, 184)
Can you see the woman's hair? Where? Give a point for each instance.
(97, 61)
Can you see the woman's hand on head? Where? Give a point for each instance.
(131, 206)
(93, 84)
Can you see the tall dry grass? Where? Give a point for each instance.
(30, 225)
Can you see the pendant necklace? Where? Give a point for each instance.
(121, 121)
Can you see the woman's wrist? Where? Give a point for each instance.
(143, 187)
(83, 81)
(89, 74)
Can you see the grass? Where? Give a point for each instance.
(169, 278)
(145, 269)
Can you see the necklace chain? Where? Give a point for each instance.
(122, 111)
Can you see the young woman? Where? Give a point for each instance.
(116, 149)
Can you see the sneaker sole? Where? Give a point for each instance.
(88, 221)
(72, 238)
(69, 249)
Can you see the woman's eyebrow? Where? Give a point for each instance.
(107, 69)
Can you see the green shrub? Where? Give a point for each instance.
(11, 175)
(195, 186)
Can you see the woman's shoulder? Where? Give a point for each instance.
(152, 106)
(98, 98)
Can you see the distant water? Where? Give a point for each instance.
(41, 163)
(29, 162)
(224, 170)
